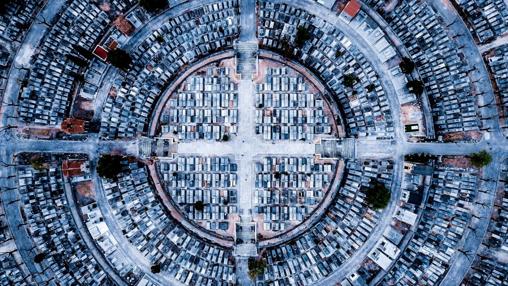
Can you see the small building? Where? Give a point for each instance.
(351, 10)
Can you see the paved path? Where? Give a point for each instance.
(162, 101)
(124, 245)
(365, 48)
(385, 219)
(87, 238)
(401, 49)
(21, 60)
(242, 270)
(24, 243)
(500, 41)
(471, 240)
(479, 75)
(316, 214)
(245, 142)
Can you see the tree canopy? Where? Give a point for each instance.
(406, 65)
(154, 5)
(38, 258)
(256, 267)
(109, 166)
(83, 52)
(416, 86)
(286, 48)
(199, 206)
(120, 59)
(350, 80)
(480, 159)
(377, 195)
(38, 162)
(77, 60)
(156, 268)
(302, 36)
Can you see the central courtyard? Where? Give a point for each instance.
(246, 147)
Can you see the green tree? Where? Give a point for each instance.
(407, 65)
(480, 159)
(286, 48)
(377, 195)
(350, 80)
(302, 36)
(109, 166)
(156, 268)
(159, 39)
(38, 258)
(38, 162)
(256, 267)
(419, 158)
(416, 86)
(199, 206)
(120, 59)
(153, 6)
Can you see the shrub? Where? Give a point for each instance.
(38, 162)
(286, 48)
(4, 4)
(83, 52)
(156, 268)
(350, 80)
(77, 60)
(38, 258)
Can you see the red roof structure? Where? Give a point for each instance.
(101, 53)
(352, 8)
(72, 168)
(123, 25)
(73, 126)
